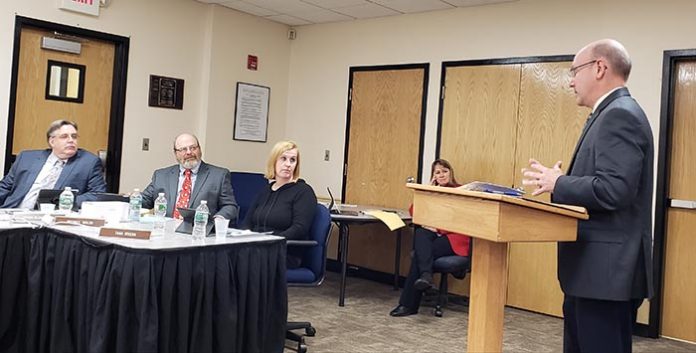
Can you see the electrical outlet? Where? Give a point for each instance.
(327, 155)
(146, 144)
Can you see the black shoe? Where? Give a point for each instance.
(402, 311)
(424, 282)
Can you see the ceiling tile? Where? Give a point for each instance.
(335, 4)
(323, 16)
(465, 3)
(284, 6)
(288, 20)
(366, 11)
(413, 6)
(249, 8)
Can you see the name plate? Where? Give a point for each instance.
(124, 233)
(92, 222)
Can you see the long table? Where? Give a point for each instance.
(64, 292)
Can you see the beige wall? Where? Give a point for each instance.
(322, 55)
(232, 42)
(206, 45)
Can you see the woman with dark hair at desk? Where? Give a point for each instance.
(286, 206)
(428, 245)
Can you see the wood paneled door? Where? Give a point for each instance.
(678, 314)
(496, 115)
(384, 141)
(99, 114)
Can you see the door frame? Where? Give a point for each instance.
(424, 108)
(118, 91)
(670, 60)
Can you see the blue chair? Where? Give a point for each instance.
(246, 186)
(312, 267)
(456, 265)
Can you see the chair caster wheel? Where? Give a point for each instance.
(310, 331)
(437, 312)
(301, 348)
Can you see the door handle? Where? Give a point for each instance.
(410, 179)
(688, 204)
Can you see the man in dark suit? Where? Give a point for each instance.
(192, 180)
(62, 165)
(607, 272)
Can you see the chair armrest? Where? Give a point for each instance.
(303, 243)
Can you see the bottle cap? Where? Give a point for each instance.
(160, 194)
(203, 202)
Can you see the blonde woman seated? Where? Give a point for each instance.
(428, 245)
(286, 206)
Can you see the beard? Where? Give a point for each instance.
(190, 163)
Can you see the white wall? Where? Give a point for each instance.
(322, 55)
(232, 42)
(206, 45)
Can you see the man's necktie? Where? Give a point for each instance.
(49, 182)
(184, 194)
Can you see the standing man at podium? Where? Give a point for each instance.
(607, 272)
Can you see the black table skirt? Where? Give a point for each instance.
(63, 293)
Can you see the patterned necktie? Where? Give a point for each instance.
(184, 194)
(49, 182)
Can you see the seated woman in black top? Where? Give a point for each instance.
(286, 207)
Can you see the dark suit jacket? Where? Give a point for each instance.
(213, 184)
(82, 172)
(611, 175)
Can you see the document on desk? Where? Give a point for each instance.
(391, 219)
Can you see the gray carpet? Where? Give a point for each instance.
(364, 324)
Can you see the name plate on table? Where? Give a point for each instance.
(92, 222)
(124, 233)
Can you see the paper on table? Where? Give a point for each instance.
(391, 219)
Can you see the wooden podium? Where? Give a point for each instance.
(494, 220)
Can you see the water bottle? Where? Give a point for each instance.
(160, 212)
(136, 203)
(200, 221)
(66, 199)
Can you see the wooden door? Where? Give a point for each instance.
(550, 123)
(478, 127)
(384, 142)
(679, 286)
(479, 122)
(33, 112)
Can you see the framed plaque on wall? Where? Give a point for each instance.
(251, 112)
(166, 92)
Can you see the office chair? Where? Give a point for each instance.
(312, 268)
(246, 186)
(456, 265)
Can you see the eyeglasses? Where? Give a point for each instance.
(193, 148)
(66, 136)
(574, 70)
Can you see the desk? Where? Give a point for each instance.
(343, 221)
(64, 292)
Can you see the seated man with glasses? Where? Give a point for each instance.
(192, 180)
(63, 164)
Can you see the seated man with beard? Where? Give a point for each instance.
(192, 180)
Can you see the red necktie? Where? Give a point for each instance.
(184, 194)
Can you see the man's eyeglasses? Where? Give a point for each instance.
(65, 136)
(574, 69)
(193, 148)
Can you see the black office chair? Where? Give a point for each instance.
(457, 266)
(312, 268)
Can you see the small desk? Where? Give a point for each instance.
(343, 221)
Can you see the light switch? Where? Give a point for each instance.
(327, 155)
(146, 144)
